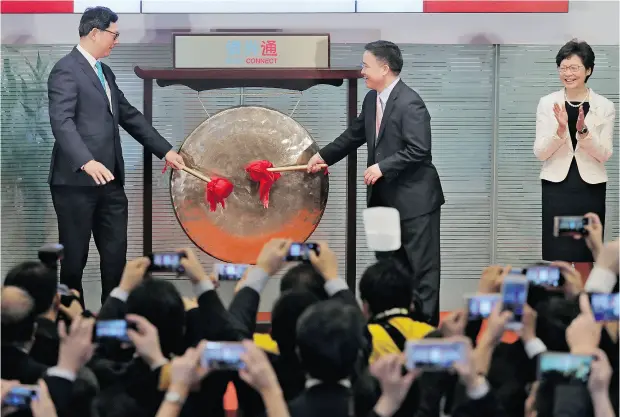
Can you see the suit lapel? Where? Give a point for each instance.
(107, 73)
(90, 73)
(388, 109)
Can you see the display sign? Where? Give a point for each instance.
(250, 50)
(248, 6)
(63, 6)
(495, 6)
(390, 6)
(288, 6)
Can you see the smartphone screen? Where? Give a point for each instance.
(301, 251)
(223, 356)
(514, 297)
(166, 262)
(230, 272)
(563, 367)
(549, 276)
(112, 329)
(435, 355)
(605, 307)
(21, 396)
(480, 306)
(569, 225)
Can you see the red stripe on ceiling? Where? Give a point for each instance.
(491, 6)
(40, 6)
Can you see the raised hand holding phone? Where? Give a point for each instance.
(583, 335)
(272, 256)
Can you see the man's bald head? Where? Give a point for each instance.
(17, 315)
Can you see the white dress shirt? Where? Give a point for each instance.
(385, 94)
(92, 61)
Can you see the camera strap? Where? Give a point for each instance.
(383, 319)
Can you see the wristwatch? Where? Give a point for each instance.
(584, 130)
(174, 397)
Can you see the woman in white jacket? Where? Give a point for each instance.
(574, 129)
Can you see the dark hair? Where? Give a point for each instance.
(284, 317)
(38, 280)
(386, 285)
(387, 52)
(330, 339)
(17, 318)
(304, 277)
(580, 49)
(96, 18)
(160, 303)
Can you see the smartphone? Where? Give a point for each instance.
(229, 272)
(166, 262)
(301, 251)
(223, 356)
(112, 330)
(433, 354)
(605, 307)
(564, 367)
(544, 276)
(514, 298)
(62, 289)
(569, 225)
(21, 396)
(480, 306)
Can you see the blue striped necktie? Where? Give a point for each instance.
(100, 74)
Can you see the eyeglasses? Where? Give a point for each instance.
(573, 69)
(116, 34)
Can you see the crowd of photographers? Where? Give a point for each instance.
(151, 352)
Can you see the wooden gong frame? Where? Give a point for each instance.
(298, 79)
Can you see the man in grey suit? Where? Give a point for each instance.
(396, 126)
(87, 172)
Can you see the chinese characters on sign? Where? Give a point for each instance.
(251, 52)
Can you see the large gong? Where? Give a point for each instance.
(221, 146)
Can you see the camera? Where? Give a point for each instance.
(50, 254)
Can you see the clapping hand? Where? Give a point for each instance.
(580, 119)
(561, 116)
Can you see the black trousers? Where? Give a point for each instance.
(102, 211)
(420, 252)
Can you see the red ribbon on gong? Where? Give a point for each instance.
(216, 191)
(258, 172)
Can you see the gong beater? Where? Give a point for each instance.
(221, 146)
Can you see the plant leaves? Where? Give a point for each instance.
(30, 112)
(24, 85)
(32, 68)
(7, 70)
(44, 133)
(39, 63)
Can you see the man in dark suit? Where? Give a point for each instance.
(396, 125)
(87, 171)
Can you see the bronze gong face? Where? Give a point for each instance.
(222, 146)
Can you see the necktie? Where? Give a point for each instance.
(100, 74)
(379, 117)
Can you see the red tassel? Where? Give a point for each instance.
(216, 191)
(166, 165)
(258, 172)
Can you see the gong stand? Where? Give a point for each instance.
(298, 79)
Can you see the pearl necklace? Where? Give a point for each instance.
(577, 105)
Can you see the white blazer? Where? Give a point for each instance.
(591, 152)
